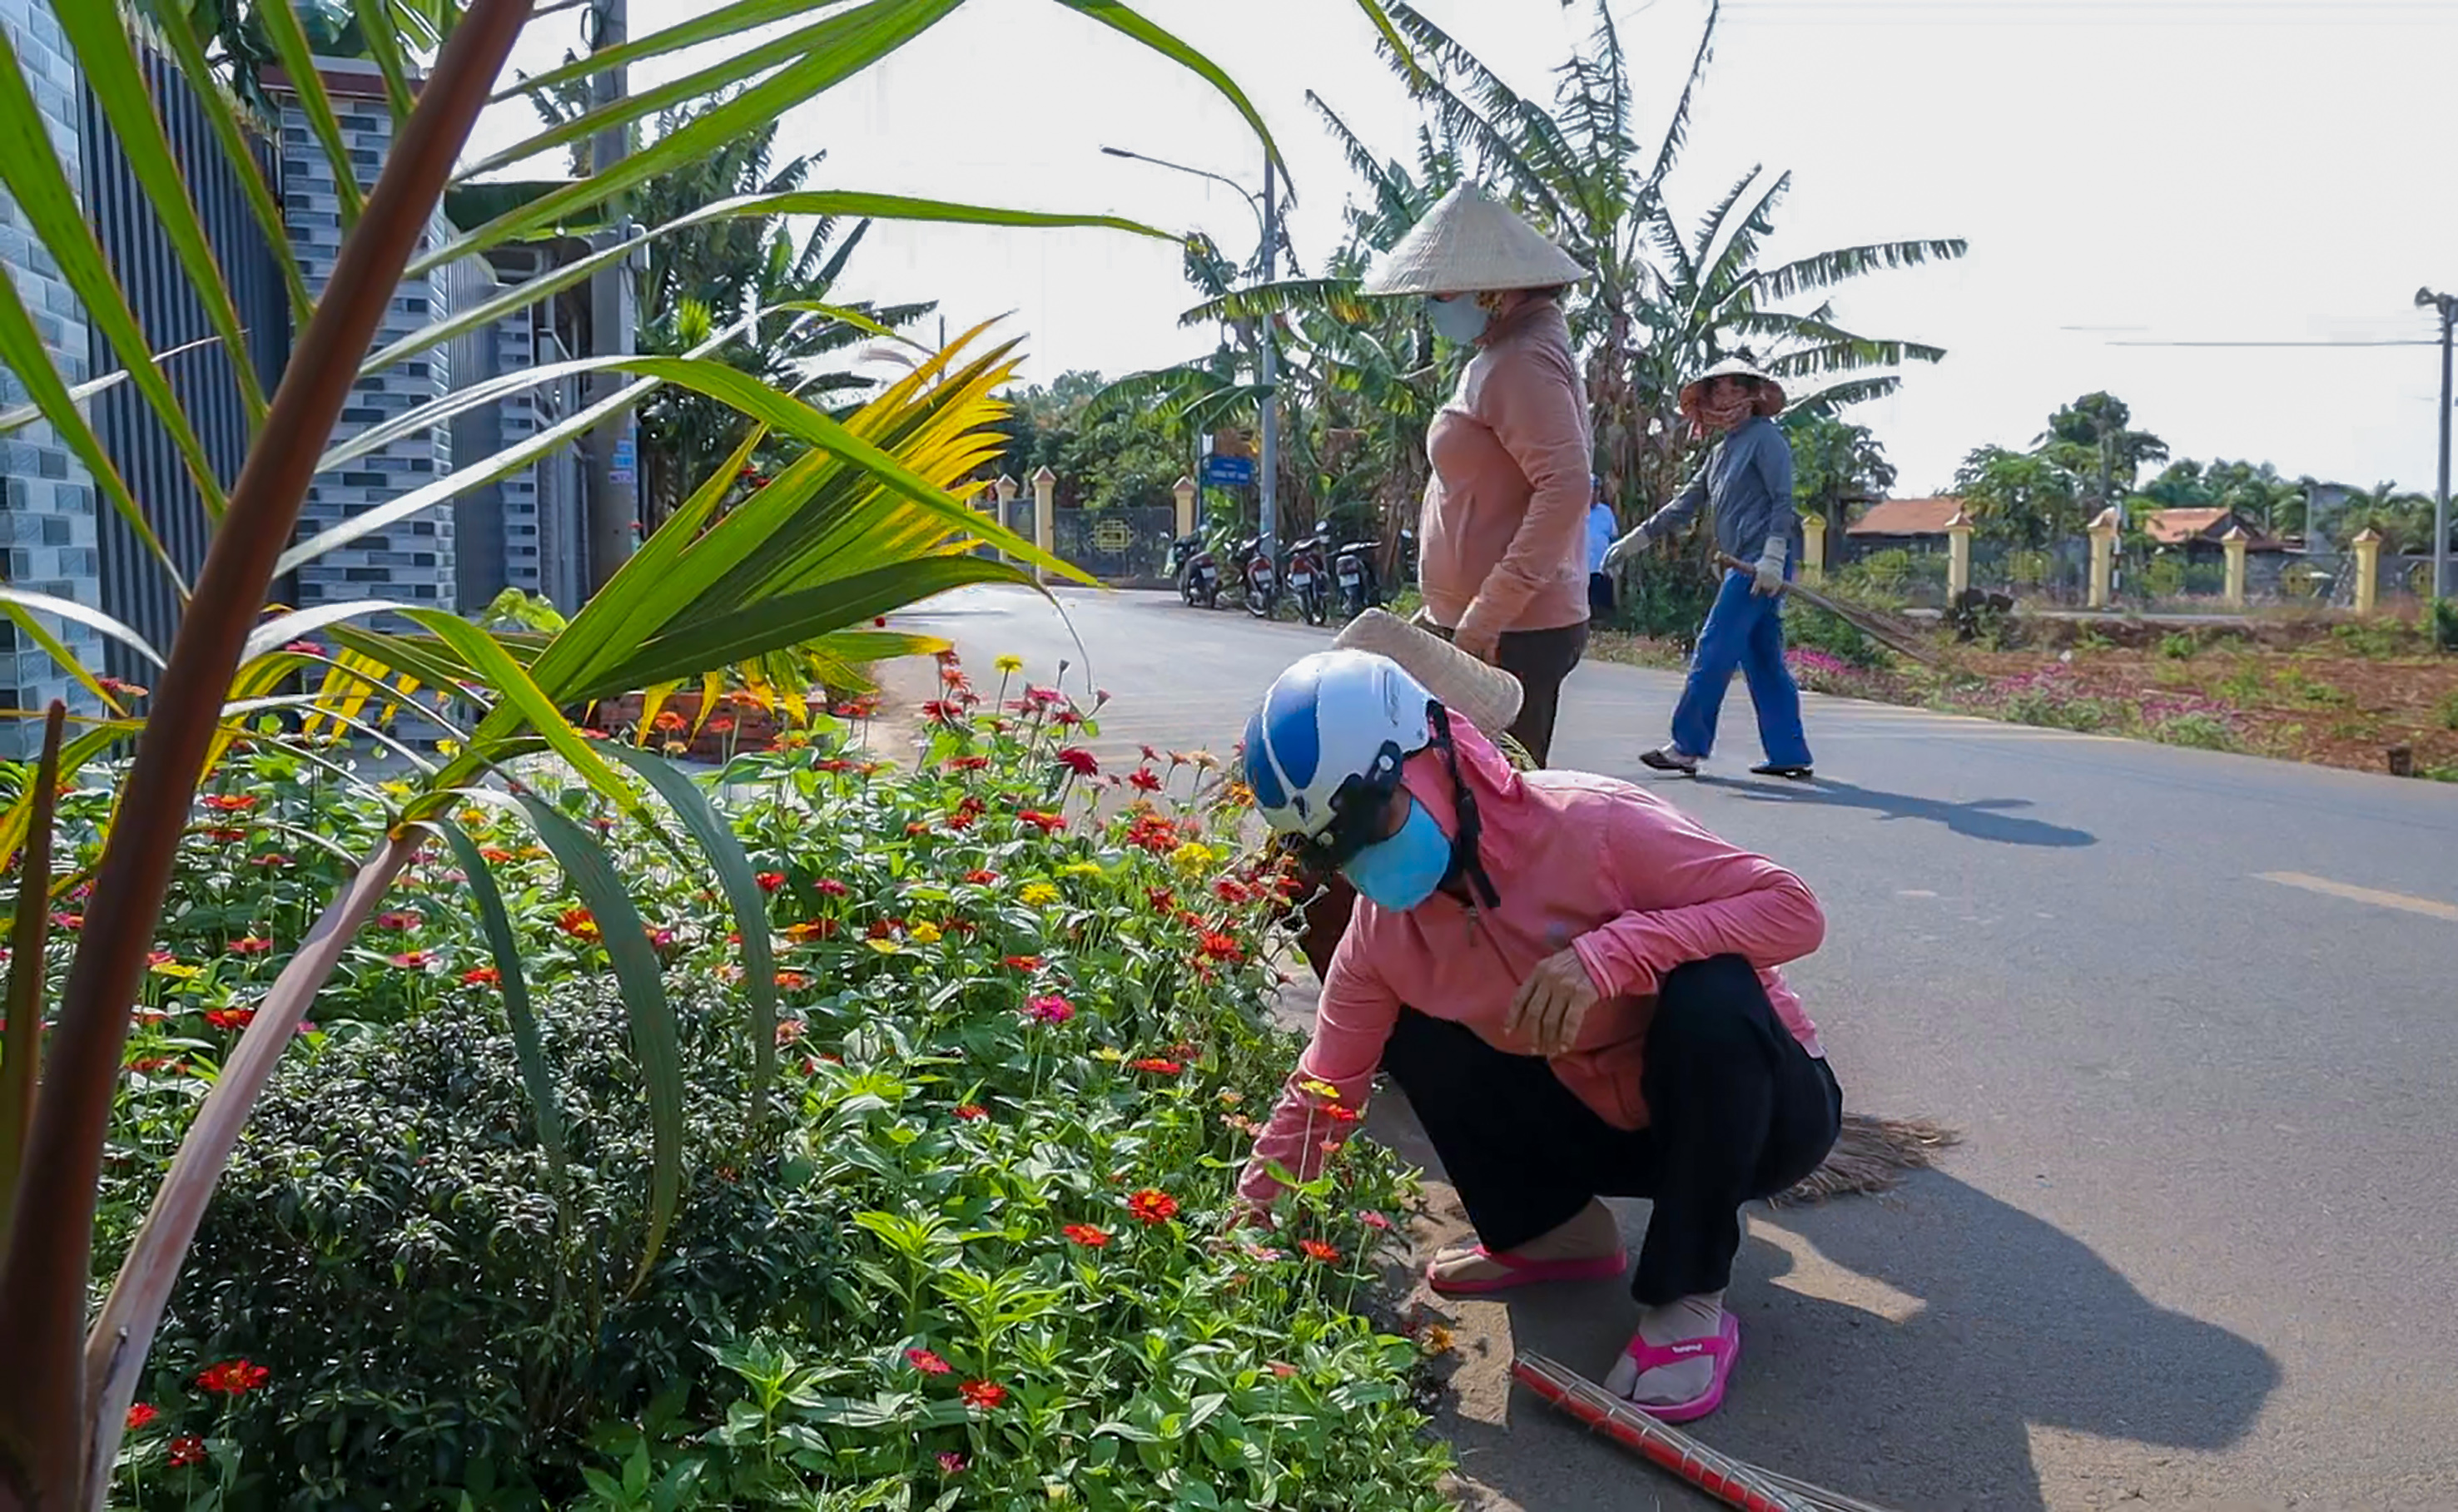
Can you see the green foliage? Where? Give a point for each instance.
(2023, 499)
(1005, 1014)
(1104, 454)
(2180, 647)
(2381, 639)
(2446, 713)
(1664, 597)
(2444, 617)
(1834, 465)
(1883, 578)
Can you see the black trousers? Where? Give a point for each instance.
(1600, 595)
(1540, 659)
(1737, 1110)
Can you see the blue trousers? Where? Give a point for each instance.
(1744, 630)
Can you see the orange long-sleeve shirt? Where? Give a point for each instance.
(1504, 519)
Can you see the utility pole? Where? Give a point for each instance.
(1268, 486)
(613, 494)
(2447, 306)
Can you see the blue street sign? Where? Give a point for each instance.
(1229, 472)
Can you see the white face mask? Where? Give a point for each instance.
(1460, 318)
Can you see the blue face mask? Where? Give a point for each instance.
(1460, 320)
(1404, 871)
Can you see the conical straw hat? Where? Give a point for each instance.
(1470, 244)
(1478, 692)
(1770, 396)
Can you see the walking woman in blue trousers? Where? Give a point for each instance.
(1746, 484)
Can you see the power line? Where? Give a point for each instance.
(2100, 12)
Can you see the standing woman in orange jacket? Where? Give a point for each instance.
(1503, 555)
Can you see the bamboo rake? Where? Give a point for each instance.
(1871, 625)
(1735, 1483)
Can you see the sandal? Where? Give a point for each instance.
(1671, 758)
(1519, 1273)
(1799, 772)
(1725, 1346)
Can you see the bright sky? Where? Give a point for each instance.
(2148, 171)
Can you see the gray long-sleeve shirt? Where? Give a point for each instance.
(1746, 483)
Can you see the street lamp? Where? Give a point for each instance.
(1267, 216)
(2447, 306)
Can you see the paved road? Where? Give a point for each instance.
(2197, 1015)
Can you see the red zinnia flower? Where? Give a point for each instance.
(1024, 963)
(1374, 1220)
(413, 959)
(792, 980)
(482, 977)
(830, 887)
(1216, 946)
(1157, 1065)
(230, 1018)
(1162, 898)
(1145, 780)
(1080, 761)
(1046, 823)
(151, 1064)
(1086, 1234)
(1152, 1206)
(1051, 1009)
(927, 1363)
(139, 1414)
(187, 1449)
(968, 763)
(229, 802)
(982, 1393)
(579, 923)
(968, 1112)
(495, 855)
(1229, 890)
(671, 721)
(1339, 1114)
(250, 946)
(402, 921)
(233, 1377)
(950, 1462)
(1316, 1249)
(1284, 1372)
(770, 881)
(981, 878)
(722, 724)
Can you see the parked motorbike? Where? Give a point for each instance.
(1306, 576)
(1259, 580)
(1195, 569)
(1361, 585)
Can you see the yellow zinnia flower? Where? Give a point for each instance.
(1010, 665)
(1035, 894)
(925, 933)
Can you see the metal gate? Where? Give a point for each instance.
(1124, 546)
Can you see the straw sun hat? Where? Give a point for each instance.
(1770, 395)
(1470, 244)
(1478, 692)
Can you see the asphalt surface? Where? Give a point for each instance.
(2196, 1015)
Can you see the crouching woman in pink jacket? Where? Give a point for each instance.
(1576, 987)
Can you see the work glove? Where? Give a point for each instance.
(1626, 547)
(1769, 580)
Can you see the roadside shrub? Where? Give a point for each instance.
(2445, 624)
(1814, 629)
(964, 1261)
(2178, 646)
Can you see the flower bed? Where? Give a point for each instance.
(971, 1259)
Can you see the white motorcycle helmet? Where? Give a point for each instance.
(1325, 751)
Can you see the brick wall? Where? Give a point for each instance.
(47, 502)
(413, 561)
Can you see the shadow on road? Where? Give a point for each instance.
(1979, 819)
(1901, 1350)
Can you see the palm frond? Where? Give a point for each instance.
(1829, 268)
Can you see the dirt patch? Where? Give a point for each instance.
(2342, 700)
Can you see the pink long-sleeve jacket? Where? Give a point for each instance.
(1599, 866)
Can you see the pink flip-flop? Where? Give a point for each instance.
(1517, 1273)
(1725, 1346)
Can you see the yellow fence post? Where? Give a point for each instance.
(1813, 548)
(1958, 556)
(2234, 545)
(1184, 489)
(2367, 545)
(1045, 515)
(2103, 557)
(1005, 490)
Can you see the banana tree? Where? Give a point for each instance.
(864, 526)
